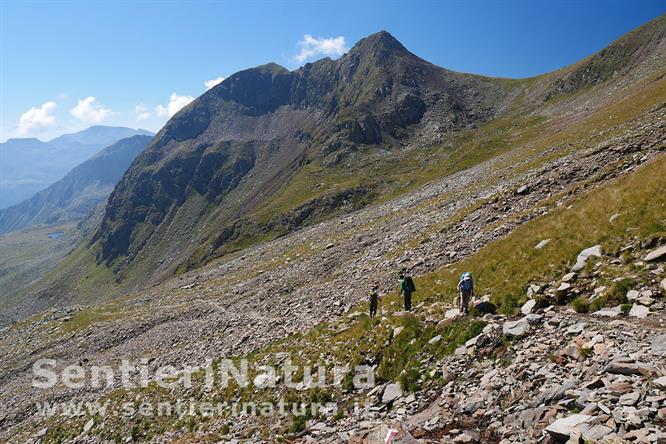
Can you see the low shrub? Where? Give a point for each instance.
(580, 305)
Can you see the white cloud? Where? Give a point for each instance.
(161, 111)
(176, 103)
(37, 119)
(212, 82)
(142, 112)
(89, 110)
(311, 46)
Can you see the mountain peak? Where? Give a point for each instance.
(382, 40)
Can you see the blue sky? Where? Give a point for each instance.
(67, 65)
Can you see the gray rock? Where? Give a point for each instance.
(657, 254)
(452, 313)
(391, 393)
(632, 295)
(609, 312)
(463, 438)
(658, 345)
(475, 341)
(576, 328)
(533, 289)
(629, 368)
(629, 398)
(564, 427)
(435, 340)
(89, 425)
(563, 288)
(517, 328)
(528, 307)
(639, 311)
(534, 318)
(594, 432)
(583, 256)
(568, 277)
(645, 300)
(660, 383)
(541, 244)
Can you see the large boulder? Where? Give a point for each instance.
(516, 329)
(528, 307)
(581, 260)
(659, 253)
(391, 393)
(452, 313)
(563, 428)
(639, 311)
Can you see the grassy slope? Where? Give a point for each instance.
(503, 268)
(26, 255)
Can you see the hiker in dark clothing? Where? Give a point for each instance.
(407, 287)
(374, 300)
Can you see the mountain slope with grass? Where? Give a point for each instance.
(229, 153)
(74, 196)
(237, 168)
(448, 368)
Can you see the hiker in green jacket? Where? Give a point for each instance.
(374, 300)
(407, 287)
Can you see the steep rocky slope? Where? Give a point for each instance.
(76, 194)
(231, 150)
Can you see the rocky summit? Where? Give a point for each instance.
(255, 229)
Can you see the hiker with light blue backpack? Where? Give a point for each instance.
(466, 290)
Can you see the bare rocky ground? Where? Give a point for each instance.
(293, 283)
(552, 375)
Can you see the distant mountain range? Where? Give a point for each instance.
(30, 165)
(84, 187)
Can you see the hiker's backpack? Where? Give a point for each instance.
(409, 284)
(466, 281)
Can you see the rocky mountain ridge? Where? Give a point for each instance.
(252, 132)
